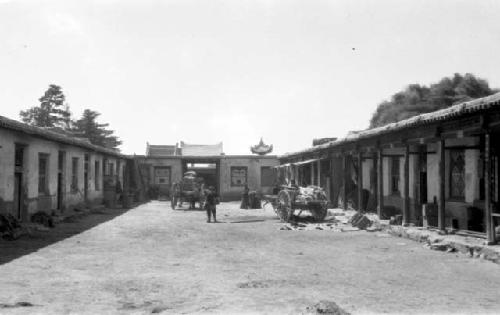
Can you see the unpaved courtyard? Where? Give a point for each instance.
(152, 259)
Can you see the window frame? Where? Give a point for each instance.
(157, 179)
(234, 168)
(395, 175)
(43, 177)
(75, 161)
(451, 182)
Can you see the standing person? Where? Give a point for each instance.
(211, 200)
(245, 201)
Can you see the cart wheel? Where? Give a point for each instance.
(173, 202)
(284, 206)
(320, 213)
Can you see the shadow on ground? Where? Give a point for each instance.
(35, 240)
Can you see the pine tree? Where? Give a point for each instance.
(52, 112)
(88, 127)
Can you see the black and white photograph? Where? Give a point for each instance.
(249, 157)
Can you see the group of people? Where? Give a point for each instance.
(250, 199)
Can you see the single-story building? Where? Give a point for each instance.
(44, 170)
(164, 165)
(439, 169)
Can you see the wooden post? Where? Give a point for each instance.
(375, 179)
(344, 181)
(406, 196)
(319, 172)
(312, 173)
(296, 174)
(360, 182)
(380, 182)
(441, 179)
(330, 177)
(490, 227)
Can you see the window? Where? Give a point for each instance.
(74, 174)
(266, 176)
(43, 174)
(457, 174)
(395, 175)
(19, 156)
(238, 176)
(162, 175)
(97, 175)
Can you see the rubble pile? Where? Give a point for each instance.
(10, 228)
(337, 221)
(42, 218)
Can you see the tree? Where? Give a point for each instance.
(88, 127)
(52, 112)
(417, 99)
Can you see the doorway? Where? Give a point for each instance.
(207, 170)
(422, 186)
(18, 181)
(86, 161)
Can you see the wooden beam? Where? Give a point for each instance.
(421, 141)
(375, 180)
(312, 173)
(380, 182)
(441, 180)
(318, 164)
(344, 181)
(463, 147)
(490, 227)
(406, 192)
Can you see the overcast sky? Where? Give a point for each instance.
(233, 71)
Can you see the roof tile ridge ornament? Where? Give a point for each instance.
(261, 148)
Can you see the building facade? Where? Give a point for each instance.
(42, 170)
(438, 169)
(164, 165)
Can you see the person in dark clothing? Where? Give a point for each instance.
(212, 199)
(245, 202)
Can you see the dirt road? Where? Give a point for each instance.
(154, 259)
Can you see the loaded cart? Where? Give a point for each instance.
(188, 190)
(289, 199)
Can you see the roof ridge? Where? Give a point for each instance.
(454, 110)
(53, 135)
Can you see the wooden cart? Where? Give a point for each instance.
(289, 199)
(180, 195)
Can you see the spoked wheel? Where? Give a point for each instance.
(321, 210)
(284, 206)
(173, 201)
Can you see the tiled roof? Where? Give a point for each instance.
(161, 150)
(469, 107)
(53, 136)
(201, 149)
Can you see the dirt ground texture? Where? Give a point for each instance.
(152, 259)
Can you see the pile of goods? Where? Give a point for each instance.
(310, 193)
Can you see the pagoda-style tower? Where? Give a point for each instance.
(261, 148)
